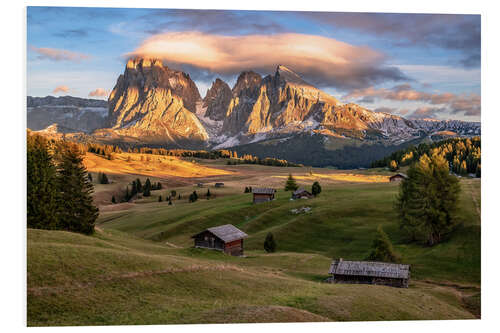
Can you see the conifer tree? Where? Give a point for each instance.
(290, 185)
(78, 212)
(173, 193)
(160, 199)
(208, 194)
(138, 185)
(428, 200)
(147, 188)
(270, 243)
(393, 165)
(382, 249)
(43, 202)
(113, 200)
(90, 177)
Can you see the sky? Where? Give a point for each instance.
(412, 65)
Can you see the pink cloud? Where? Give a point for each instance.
(61, 89)
(321, 60)
(99, 92)
(59, 54)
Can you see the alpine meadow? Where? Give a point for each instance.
(228, 166)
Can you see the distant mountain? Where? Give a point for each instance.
(153, 104)
(79, 114)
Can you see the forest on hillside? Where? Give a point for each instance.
(462, 154)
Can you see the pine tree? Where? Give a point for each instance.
(316, 188)
(173, 193)
(270, 243)
(428, 200)
(90, 177)
(78, 212)
(382, 249)
(169, 202)
(42, 195)
(113, 200)
(147, 188)
(179, 198)
(138, 185)
(290, 185)
(160, 199)
(208, 194)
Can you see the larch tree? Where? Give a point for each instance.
(428, 200)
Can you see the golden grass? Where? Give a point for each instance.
(343, 177)
(150, 165)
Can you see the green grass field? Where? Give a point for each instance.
(140, 267)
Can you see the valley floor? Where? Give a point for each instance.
(140, 266)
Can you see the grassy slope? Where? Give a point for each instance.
(113, 278)
(120, 276)
(341, 224)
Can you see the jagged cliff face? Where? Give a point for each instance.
(152, 101)
(217, 100)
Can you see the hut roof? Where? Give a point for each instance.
(400, 174)
(226, 232)
(300, 190)
(263, 190)
(370, 268)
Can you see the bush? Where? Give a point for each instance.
(270, 243)
(316, 188)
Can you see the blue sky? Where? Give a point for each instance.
(415, 65)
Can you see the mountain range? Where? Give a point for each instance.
(152, 104)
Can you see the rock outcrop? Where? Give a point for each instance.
(217, 100)
(155, 103)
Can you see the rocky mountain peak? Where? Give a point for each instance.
(248, 82)
(285, 74)
(217, 100)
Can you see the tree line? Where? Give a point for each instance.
(462, 154)
(59, 192)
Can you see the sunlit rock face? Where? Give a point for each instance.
(151, 100)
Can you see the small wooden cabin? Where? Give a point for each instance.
(226, 238)
(219, 184)
(263, 194)
(301, 194)
(398, 177)
(369, 272)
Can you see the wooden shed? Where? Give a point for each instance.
(263, 194)
(301, 194)
(226, 238)
(369, 272)
(398, 177)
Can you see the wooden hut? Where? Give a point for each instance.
(219, 184)
(226, 238)
(369, 272)
(301, 194)
(398, 177)
(263, 194)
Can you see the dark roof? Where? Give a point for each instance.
(370, 268)
(400, 175)
(263, 190)
(301, 190)
(226, 232)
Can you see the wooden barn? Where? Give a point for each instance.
(301, 194)
(219, 184)
(263, 194)
(226, 238)
(369, 272)
(398, 177)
